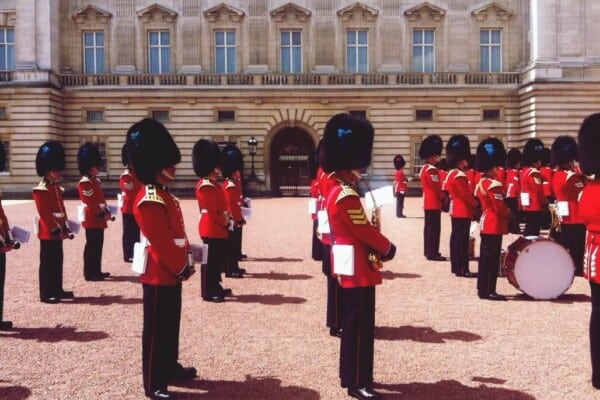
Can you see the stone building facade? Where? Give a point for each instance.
(275, 71)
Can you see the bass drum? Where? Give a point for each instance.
(539, 267)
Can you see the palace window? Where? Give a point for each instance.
(159, 49)
(93, 116)
(93, 52)
(226, 115)
(6, 169)
(160, 115)
(291, 52)
(357, 51)
(225, 49)
(417, 162)
(7, 49)
(423, 50)
(490, 49)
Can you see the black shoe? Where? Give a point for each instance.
(160, 394)
(5, 325)
(364, 393)
(242, 270)
(66, 294)
(215, 299)
(105, 274)
(402, 216)
(493, 296)
(437, 258)
(50, 300)
(335, 332)
(468, 274)
(226, 292)
(243, 257)
(234, 274)
(94, 278)
(182, 373)
(128, 260)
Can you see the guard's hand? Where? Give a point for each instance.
(390, 254)
(56, 232)
(186, 272)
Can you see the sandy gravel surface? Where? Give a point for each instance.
(435, 339)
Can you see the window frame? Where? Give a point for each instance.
(95, 49)
(291, 46)
(356, 47)
(87, 112)
(152, 111)
(160, 46)
(230, 66)
(417, 163)
(220, 110)
(5, 141)
(489, 46)
(422, 68)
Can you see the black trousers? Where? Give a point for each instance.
(489, 260)
(131, 234)
(334, 301)
(431, 233)
(210, 273)
(358, 336)
(595, 334)
(533, 223)
(2, 281)
(235, 249)
(51, 268)
(572, 237)
(513, 222)
(160, 336)
(317, 247)
(399, 204)
(92, 252)
(459, 245)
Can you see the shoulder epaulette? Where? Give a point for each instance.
(84, 178)
(347, 190)
(41, 186)
(494, 183)
(460, 173)
(230, 184)
(570, 174)
(151, 196)
(205, 182)
(533, 170)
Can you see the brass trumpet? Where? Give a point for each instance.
(374, 258)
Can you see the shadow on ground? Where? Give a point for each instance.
(394, 275)
(53, 335)
(448, 390)
(104, 300)
(268, 299)
(123, 278)
(275, 259)
(253, 388)
(278, 276)
(422, 334)
(563, 299)
(14, 392)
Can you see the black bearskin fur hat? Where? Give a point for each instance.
(232, 160)
(458, 148)
(88, 156)
(533, 151)
(150, 149)
(513, 158)
(399, 162)
(563, 150)
(124, 155)
(206, 156)
(589, 145)
(490, 154)
(50, 156)
(2, 158)
(431, 146)
(347, 143)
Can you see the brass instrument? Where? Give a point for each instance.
(374, 258)
(555, 218)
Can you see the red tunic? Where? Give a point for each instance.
(214, 209)
(494, 217)
(547, 173)
(50, 207)
(400, 182)
(532, 184)
(567, 185)
(473, 176)
(461, 197)
(350, 225)
(500, 176)
(432, 187)
(589, 211)
(4, 231)
(90, 194)
(513, 183)
(159, 217)
(233, 192)
(130, 186)
(326, 183)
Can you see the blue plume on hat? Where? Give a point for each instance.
(233, 160)
(490, 153)
(533, 151)
(458, 148)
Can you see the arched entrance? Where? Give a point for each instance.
(292, 164)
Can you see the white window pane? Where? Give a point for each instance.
(100, 61)
(285, 38)
(219, 60)
(428, 37)
(219, 38)
(351, 61)
(231, 38)
(89, 60)
(10, 57)
(351, 37)
(296, 38)
(496, 36)
(99, 39)
(88, 39)
(10, 36)
(297, 60)
(362, 37)
(418, 59)
(429, 59)
(230, 60)
(153, 38)
(496, 57)
(484, 36)
(164, 61)
(484, 65)
(154, 61)
(164, 38)
(285, 60)
(362, 60)
(417, 37)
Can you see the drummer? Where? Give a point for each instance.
(589, 211)
(494, 217)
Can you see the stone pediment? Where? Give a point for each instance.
(280, 14)
(214, 13)
(89, 12)
(154, 11)
(481, 14)
(8, 18)
(368, 13)
(425, 9)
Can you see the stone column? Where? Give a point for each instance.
(25, 35)
(544, 45)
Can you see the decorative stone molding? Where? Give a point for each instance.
(280, 14)
(8, 18)
(369, 14)
(481, 14)
(214, 13)
(154, 11)
(425, 9)
(90, 13)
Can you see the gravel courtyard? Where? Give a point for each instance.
(435, 339)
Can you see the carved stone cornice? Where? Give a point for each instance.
(369, 14)
(280, 14)
(481, 13)
(149, 13)
(420, 11)
(89, 13)
(213, 14)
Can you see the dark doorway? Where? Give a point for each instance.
(292, 162)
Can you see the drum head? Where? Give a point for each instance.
(544, 269)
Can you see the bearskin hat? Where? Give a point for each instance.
(533, 151)
(124, 155)
(232, 160)
(563, 150)
(513, 158)
(150, 149)
(2, 157)
(347, 143)
(206, 156)
(50, 156)
(589, 145)
(399, 162)
(545, 160)
(442, 164)
(431, 146)
(88, 156)
(458, 148)
(490, 154)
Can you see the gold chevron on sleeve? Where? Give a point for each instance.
(357, 216)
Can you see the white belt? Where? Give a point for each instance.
(58, 215)
(204, 211)
(179, 242)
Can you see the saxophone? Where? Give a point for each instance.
(374, 258)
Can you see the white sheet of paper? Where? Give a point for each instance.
(343, 259)
(246, 213)
(114, 210)
(19, 234)
(323, 219)
(81, 213)
(200, 252)
(562, 208)
(312, 205)
(74, 226)
(525, 199)
(383, 196)
(140, 257)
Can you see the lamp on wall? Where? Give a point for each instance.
(252, 145)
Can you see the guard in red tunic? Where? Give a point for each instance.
(317, 247)
(512, 187)
(52, 227)
(533, 199)
(346, 149)
(567, 185)
(130, 186)
(231, 168)
(546, 171)
(214, 220)
(462, 202)
(153, 155)
(431, 183)
(494, 217)
(589, 212)
(95, 211)
(400, 185)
